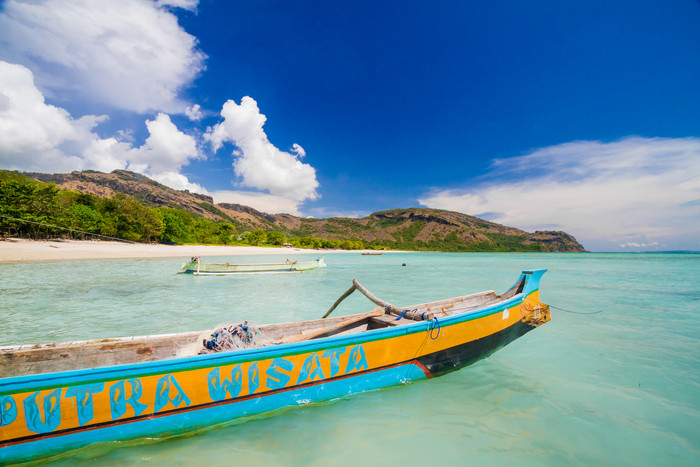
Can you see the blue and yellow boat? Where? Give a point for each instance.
(61, 397)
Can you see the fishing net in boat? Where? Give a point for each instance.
(226, 337)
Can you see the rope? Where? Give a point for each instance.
(576, 312)
(66, 228)
(404, 312)
(564, 309)
(437, 324)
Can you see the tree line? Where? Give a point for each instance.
(37, 210)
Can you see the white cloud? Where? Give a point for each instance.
(639, 245)
(130, 54)
(35, 136)
(261, 201)
(164, 153)
(324, 213)
(257, 161)
(194, 113)
(643, 191)
(298, 150)
(184, 4)
(166, 148)
(177, 181)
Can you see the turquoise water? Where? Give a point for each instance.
(621, 387)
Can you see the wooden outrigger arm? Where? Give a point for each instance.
(388, 307)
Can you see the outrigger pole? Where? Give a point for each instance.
(388, 307)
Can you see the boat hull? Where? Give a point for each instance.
(198, 268)
(46, 414)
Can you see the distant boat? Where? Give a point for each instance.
(63, 396)
(198, 268)
(368, 254)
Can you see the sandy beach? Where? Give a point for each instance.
(20, 250)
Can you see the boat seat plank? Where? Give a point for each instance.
(384, 321)
(328, 330)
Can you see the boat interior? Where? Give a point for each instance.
(54, 357)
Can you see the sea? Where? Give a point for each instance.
(613, 379)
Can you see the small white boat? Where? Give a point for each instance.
(198, 268)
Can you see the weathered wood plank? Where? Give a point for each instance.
(308, 335)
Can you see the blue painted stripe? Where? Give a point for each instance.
(199, 418)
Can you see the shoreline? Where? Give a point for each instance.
(22, 250)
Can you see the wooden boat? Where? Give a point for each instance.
(198, 268)
(60, 397)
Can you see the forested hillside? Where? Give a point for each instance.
(129, 206)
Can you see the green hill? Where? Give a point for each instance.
(128, 205)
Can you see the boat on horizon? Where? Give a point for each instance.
(60, 397)
(198, 268)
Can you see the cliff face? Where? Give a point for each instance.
(433, 229)
(142, 188)
(555, 240)
(414, 228)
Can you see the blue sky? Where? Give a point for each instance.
(574, 116)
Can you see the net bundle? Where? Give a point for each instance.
(227, 337)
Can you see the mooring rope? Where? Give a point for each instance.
(577, 312)
(537, 302)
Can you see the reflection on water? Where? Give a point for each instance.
(616, 388)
